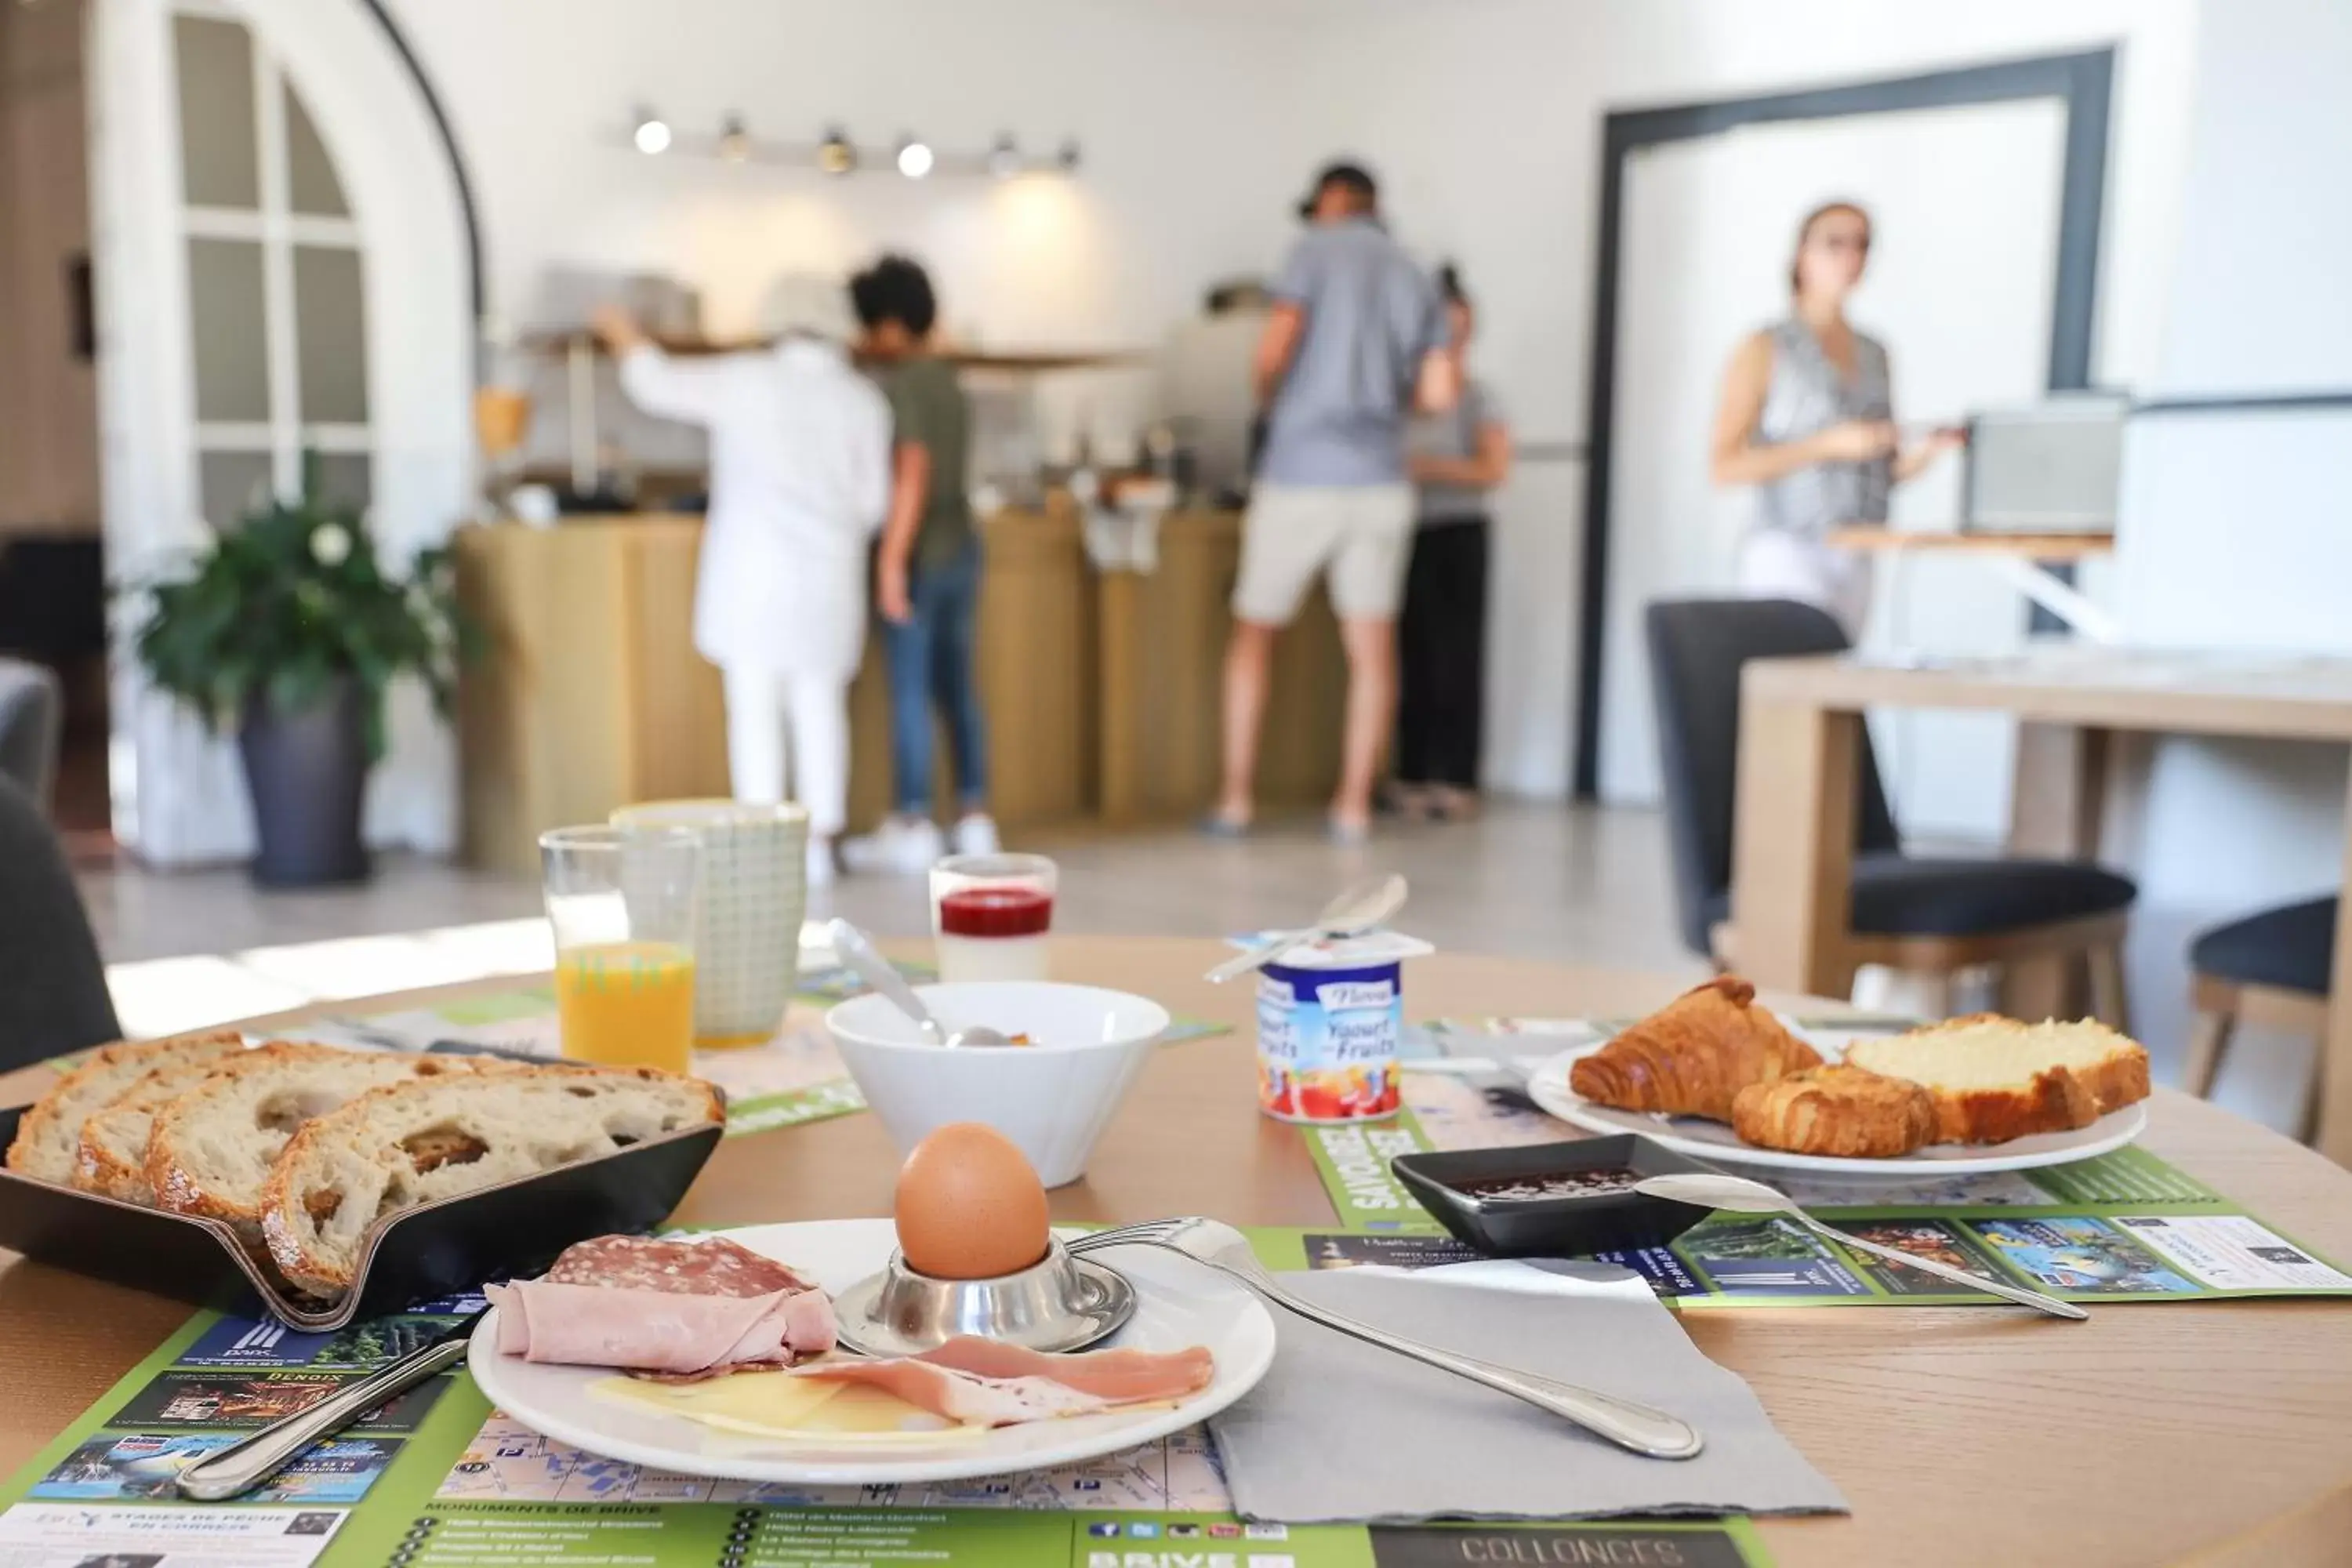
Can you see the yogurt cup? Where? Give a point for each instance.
(1329, 1018)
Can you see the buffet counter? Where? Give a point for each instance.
(1101, 688)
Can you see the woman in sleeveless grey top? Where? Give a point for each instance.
(1807, 419)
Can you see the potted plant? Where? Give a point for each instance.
(290, 632)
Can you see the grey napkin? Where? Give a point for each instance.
(1342, 1430)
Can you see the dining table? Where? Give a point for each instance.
(2216, 1433)
(2077, 705)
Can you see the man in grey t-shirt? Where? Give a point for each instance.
(1353, 345)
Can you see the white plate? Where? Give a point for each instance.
(1718, 1144)
(1178, 1303)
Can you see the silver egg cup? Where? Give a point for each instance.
(1059, 1303)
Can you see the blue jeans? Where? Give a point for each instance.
(931, 663)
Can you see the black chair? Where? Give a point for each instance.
(32, 718)
(2270, 970)
(53, 996)
(1922, 914)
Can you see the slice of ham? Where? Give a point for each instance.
(662, 1332)
(985, 1383)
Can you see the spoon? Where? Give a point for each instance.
(1360, 908)
(851, 946)
(1741, 1195)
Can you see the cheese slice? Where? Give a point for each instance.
(778, 1406)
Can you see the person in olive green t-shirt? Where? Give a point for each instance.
(926, 574)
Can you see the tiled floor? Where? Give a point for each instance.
(1575, 885)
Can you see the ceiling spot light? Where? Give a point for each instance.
(734, 140)
(1004, 158)
(836, 155)
(1067, 159)
(652, 134)
(914, 159)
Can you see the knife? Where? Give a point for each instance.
(245, 1463)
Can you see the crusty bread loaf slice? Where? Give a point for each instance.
(414, 1143)
(211, 1148)
(112, 1158)
(1995, 1079)
(50, 1137)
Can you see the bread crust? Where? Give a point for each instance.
(1693, 1057)
(1844, 1113)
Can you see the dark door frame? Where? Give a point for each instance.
(2083, 82)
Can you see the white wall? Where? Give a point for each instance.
(1192, 155)
(1486, 120)
(2237, 530)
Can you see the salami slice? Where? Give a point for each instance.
(713, 1266)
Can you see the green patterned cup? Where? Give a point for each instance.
(746, 943)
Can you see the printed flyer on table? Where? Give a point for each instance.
(438, 1479)
(2124, 1226)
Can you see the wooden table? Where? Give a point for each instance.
(2215, 1433)
(1800, 722)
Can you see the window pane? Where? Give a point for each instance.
(344, 479)
(311, 173)
(225, 312)
(219, 160)
(331, 332)
(234, 485)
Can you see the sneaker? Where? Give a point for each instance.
(919, 846)
(902, 846)
(976, 834)
(820, 863)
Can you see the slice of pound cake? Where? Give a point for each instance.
(1995, 1079)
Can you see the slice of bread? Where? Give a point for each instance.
(1995, 1079)
(414, 1143)
(48, 1139)
(112, 1158)
(211, 1148)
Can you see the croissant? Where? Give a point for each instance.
(1850, 1112)
(1694, 1055)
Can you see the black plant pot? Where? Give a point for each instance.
(308, 774)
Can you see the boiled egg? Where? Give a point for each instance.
(968, 1205)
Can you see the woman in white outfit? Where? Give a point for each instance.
(799, 479)
(1807, 419)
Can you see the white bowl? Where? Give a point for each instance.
(1053, 1098)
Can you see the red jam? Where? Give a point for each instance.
(996, 911)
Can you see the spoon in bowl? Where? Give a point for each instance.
(1363, 907)
(852, 947)
(1741, 1195)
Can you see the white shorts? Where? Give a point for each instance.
(1361, 535)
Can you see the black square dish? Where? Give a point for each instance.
(1570, 1226)
(432, 1249)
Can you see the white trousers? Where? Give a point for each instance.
(762, 707)
(1778, 565)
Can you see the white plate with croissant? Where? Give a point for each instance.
(1717, 1077)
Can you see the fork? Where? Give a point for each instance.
(1219, 1246)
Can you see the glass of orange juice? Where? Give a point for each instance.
(622, 902)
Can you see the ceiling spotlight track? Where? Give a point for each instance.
(836, 152)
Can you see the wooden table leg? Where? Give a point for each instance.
(2058, 791)
(2331, 1087)
(1792, 847)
